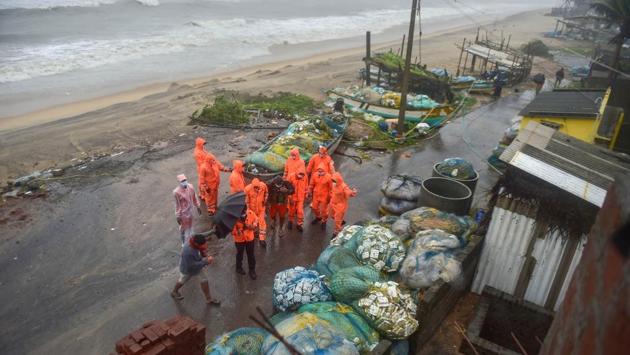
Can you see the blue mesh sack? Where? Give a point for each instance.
(297, 286)
(242, 341)
(343, 318)
(335, 258)
(309, 335)
(350, 284)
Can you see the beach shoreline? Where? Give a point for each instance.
(158, 112)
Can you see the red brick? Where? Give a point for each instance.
(158, 330)
(145, 342)
(156, 349)
(135, 349)
(150, 334)
(137, 336)
(124, 344)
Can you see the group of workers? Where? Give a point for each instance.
(282, 200)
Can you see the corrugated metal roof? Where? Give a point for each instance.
(566, 103)
(505, 252)
(502, 58)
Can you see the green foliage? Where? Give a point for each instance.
(223, 111)
(285, 103)
(536, 47)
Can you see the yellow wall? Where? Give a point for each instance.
(580, 128)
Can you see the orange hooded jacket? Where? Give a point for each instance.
(340, 194)
(210, 174)
(256, 200)
(294, 162)
(200, 154)
(243, 231)
(321, 185)
(300, 187)
(325, 160)
(237, 179)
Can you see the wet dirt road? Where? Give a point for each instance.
(99, 259)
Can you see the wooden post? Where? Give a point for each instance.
(402, 46)
(405, 78)
(507, 45)
(459, 63)
(472, 63)
(477, 37)
(465, 63)
(368, 52)
(378, 77)
(556, 29)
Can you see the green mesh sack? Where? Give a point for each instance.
(346, 237)
(350, 284)
(426, 218)
(242, 341)
(349, 322)
(267, 160)
(335, 258)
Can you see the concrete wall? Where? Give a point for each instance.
(595, 315)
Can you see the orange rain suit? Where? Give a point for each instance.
(237, 179)
(243, 231)
(200, 154)
(210, 178)
(296, 200)
(256, 202)
(339, 200)
(294, 163)
(321, 158)
(320, 189)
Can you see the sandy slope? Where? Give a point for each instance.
(43, 139)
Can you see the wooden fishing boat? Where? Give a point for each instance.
(254, 171)
(433, 117)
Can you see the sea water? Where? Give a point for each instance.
(59, 51)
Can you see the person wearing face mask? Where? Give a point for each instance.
(185, 200)
(293, 164)
(321, 158)
(339, 197)
(296, 200)
(320, 188)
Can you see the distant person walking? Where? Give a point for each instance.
(193, 266)
(539, 80)
(279, 191)
(320, 189)
(559, 77)
(185, 200)
(243, 234)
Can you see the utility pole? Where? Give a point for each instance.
(419, 33)
(368, 53)
(405, 78)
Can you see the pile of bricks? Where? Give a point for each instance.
(176, 336)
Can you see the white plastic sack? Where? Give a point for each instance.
(397, 207)
(402, 187)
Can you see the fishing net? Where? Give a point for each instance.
(430, 258)
(457, 168)
(402, 187)
(343, 318)
(425, 218)
(389, 310)
(297, 286)
(335, 258)
(379, 247)
(421, 102)
(242, 341)
(350, 284)
(397, 207)
(402, 228)
(346, 235)
(267, 160)
(309, 335)
(279, 317)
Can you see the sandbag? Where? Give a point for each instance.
(309, 335)
(242, 341)
(379, 247)
(397, 207)
(402, 187)
(457, 168)
(335, 258)
(346, 320)
(389, 310)
(348, 285)
(430, 258)
(425, 218)
(298, 286)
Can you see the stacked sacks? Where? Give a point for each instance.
(401, 194)
(309, 335)
(425, 218)
(298, 286)
(335, 258)
(349, 322)
(350, 284)
(389, 310)
(379, 247)
(240, 341)
(345, 235)
(430, 258)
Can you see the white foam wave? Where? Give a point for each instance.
(148, 2)
(51, 4)
(239, 38)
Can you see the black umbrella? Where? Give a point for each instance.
(228, 212)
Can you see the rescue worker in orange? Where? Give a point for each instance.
(339, 200)
(243, 234)
(321, 158)
(294, 163)
(319, 192)
(296, 200)
(237, 179)
(209, 179)
(279, 191)
(200, 154)
(256, 195)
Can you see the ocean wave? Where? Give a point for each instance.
(51, 4)
(148, 2)
(242, 38)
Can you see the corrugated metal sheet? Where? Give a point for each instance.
(504, 254)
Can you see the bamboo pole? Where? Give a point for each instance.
(402, 47)
(461, 53)
(405, 78)
(368, 53)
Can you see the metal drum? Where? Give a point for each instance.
(446, 195)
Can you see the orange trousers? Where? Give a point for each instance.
(210, 197)
(320, 209)
(296, 209)
(262, 225)
(338, 215)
